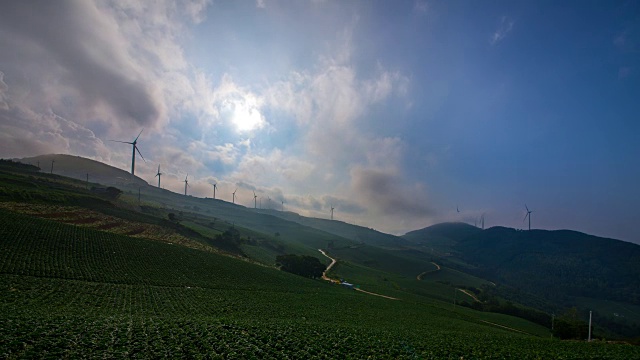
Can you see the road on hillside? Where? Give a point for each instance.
(421, 275)
(324, 273)
(333, 262)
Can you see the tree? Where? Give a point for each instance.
(303, 265)
(569, 326)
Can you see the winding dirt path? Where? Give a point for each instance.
(333, 262)
(472, 295)
(421, 275)
(324, 273)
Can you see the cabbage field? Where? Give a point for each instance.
(69, 291)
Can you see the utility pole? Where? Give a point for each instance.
(455, 297)
(52, 161)
(138, 195)
(590, 313)
(87, 180)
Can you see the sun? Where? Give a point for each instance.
(246, 117)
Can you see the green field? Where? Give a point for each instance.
(70, 291)
(73, 287)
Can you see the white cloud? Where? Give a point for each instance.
(504, 28)
(421, 7)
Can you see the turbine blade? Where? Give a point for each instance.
(124, 142)
(139, 153)
(136, 139)
(525, 205)
(525, 217)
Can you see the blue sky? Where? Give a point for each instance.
(394, 112)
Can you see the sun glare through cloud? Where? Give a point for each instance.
(246, 117)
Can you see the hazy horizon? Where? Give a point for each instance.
(398, 114)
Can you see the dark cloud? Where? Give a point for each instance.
(381, 190)
(82, 51)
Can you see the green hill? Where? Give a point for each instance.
(547, 270)
(71, 287)
(553, 263)
(78, 167)
(345, 230)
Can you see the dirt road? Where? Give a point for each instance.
(324, 273)
(421, 275)
(333, 262)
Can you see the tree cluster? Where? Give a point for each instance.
(569, 326)
(303, 265)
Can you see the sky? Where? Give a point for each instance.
(399, 114)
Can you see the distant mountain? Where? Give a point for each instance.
(554, 263)
(78, 167)
(549, 270)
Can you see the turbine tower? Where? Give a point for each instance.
(52, 161)
(482, 221)
(332, 208)
(282, 205)
(214, 190)
(158, 175)
(133, 152)
(528, 215)
(234, 195)
(186, 183)
(255, 200)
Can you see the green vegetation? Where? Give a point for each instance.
(108, 278)
(307, 266)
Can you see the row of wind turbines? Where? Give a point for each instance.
(134, 148)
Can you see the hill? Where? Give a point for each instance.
(553, 263)
(78, 167)
(395, 267)
(548, 270)
(345, 230)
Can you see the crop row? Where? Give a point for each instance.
(36, 247)
(157, 337)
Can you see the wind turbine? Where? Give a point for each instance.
(528, 215)
(158, 175)
(482, 221)
(282, 205)
(332, 208)
(269, 199)
(255, 200)
(457, 209)
(214, 190)
(186, 183)
(234, 195)
(133, 152)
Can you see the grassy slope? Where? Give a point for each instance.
(241, 213)
(69, 291)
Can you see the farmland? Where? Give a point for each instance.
(70, 291)
(101, 282)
